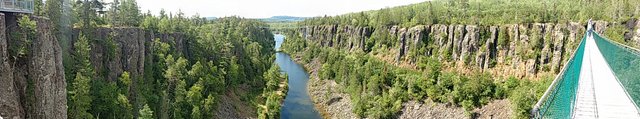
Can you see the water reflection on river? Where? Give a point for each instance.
(297, 104)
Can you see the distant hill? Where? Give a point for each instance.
(211, 18)
(283, 19)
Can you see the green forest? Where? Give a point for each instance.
(225, 56)
(488, 12)
(378, 88)
(194, 67)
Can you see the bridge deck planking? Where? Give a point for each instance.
(585, 106)
(611, 100)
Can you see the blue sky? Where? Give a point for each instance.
(267, 8)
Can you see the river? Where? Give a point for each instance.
(297, 104)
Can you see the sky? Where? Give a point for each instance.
(267, 8)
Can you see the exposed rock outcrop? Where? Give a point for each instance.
(47, 72)
(115, 50)
(635, 34)
(521, 50)
(600, 26)
(10, 106)
(33, 82)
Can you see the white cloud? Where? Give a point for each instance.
(267, 8)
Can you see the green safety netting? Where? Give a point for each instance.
(559, 100)
(625, 63)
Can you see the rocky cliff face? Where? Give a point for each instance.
(47, 72)
(33, 85)
(10, 106)
(634, 35)
(514, 49)
(115, 50)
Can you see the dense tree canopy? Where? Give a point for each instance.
(488, 12)
(378, 88)
(219, 57)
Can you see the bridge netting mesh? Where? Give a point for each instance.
(559, 100)
(625, 63)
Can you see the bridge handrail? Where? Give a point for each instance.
(23, 6)
(535, 112)
(630, 49)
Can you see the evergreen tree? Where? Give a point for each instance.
(164, 25)
(105, 102)
(175, 73)
(209, 105)
(176, 69)
(195, 113)
(194, 96)
(146, 113)
(82, 54)
(130, 13)
(150, 23)
(37, 7)
(113, 15)
(85, 14)
(124, 83)
(273, 93)
(125, 108)
(53, 10)
(180, 104)
(80, 101)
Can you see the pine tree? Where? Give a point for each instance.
(85, 14)
(37, 7)
(150, 23)
(82, 53)
(273, 77)
(194, 96)
(129, 13)
(113, 15)
(80, 101)
(175, 74)
(164, 25)
(146, 113)
(209, 105)
(53, 10)
(124, 83)
(176, 69)
(125, 108)
(273, 93)
(180, 105)
(195, 113)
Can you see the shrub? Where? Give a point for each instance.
(19, 46)
(522, 99)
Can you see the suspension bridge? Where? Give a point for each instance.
(600, 80)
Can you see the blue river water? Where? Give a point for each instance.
(297, 104)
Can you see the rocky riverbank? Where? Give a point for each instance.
(497, 109)
(327, 95)
(331, 100)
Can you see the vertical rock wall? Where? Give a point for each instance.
(47, 72)
(41, 66)
(509, 47)
(115, 50)
(10, 106)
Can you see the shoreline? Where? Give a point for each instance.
(339, 105)
(318, 91)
